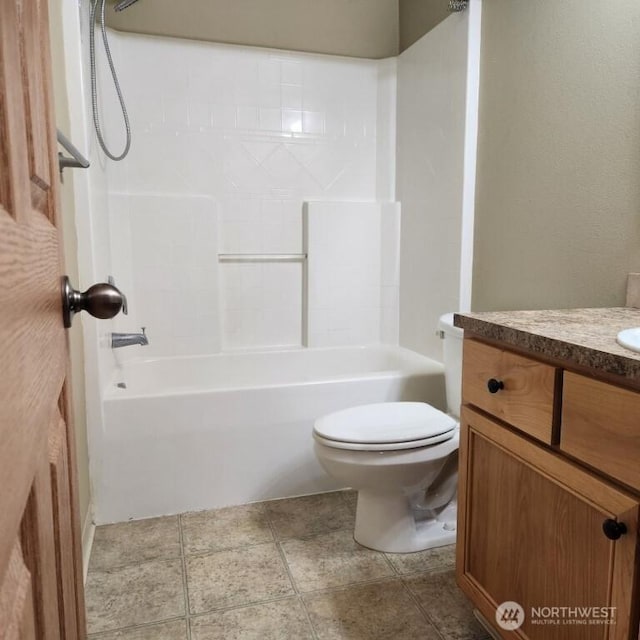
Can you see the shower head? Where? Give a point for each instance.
(124, 4)
(458, 5)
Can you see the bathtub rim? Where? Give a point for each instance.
(414, 364)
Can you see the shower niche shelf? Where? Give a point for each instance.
(262, 257)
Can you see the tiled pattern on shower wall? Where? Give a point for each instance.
(261, 304)
(259, 131)
(246, 124)
(164, 256)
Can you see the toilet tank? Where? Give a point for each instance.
(452, 358)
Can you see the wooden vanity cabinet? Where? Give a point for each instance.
(530, 528)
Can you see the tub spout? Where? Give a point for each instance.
(127, 339)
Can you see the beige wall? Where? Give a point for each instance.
(71, 264)
(558, 184)
(419, 16)
(361, 28)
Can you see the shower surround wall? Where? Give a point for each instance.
(229, 143)
(436, 145)
(234, 150)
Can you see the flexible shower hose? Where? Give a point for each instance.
(94, 89)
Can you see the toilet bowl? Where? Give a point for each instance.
(401, 457)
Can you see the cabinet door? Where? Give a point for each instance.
(531, 531)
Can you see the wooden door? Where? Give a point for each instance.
(530, 532)
(40, 560)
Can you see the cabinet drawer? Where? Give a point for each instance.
(601, 427)
(515, 389)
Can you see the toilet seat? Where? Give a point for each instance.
(388, 446)
(387, 426)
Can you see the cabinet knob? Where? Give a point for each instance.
(494, 385)
(613, 530)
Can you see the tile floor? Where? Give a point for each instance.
(279, 570)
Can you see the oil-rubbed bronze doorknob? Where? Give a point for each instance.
(102, 301)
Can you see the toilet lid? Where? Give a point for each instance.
(385, 423)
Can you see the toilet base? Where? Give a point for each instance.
(388, 523)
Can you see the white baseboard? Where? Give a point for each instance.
(88, 531)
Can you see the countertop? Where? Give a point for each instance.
(583, 337)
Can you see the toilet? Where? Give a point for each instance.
(402, 458)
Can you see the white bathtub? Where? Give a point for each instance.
(203, 432)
